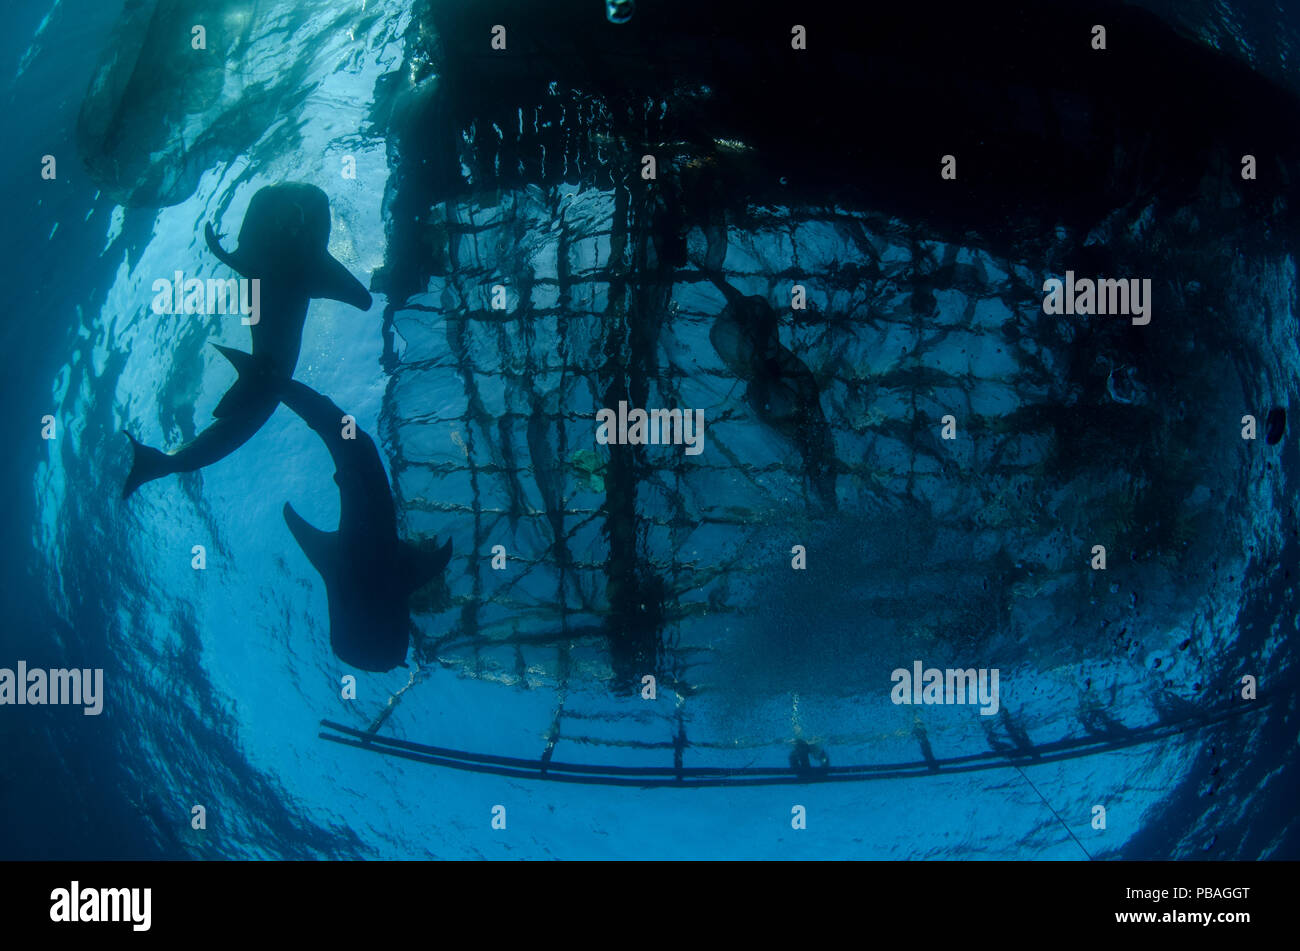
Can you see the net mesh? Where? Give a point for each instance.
(626, 561)
(824, 438)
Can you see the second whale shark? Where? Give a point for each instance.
(779, 387)
(369, 573)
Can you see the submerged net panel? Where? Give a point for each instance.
(825, 430)
(625, 561)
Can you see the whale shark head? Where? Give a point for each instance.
(285, 236)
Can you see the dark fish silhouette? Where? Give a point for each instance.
(283, 244)
(780, 390)
(368, 572)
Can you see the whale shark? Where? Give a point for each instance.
(283, 244)
(780, 389)
(369, 573)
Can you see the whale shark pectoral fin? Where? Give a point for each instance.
(419, 566)
(330, 279)
(321, 548)
(226, 258)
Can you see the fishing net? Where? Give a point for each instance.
(977, 551)
(904, 457)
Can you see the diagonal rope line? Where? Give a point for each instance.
(1054, 812)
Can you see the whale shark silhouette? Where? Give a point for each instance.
(283, 244)
(780, 389)
(369, 573)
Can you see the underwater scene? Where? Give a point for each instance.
(670, 429)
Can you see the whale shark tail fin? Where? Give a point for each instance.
(422, 563)
(327, 278)
(147, 464)
(321, 548)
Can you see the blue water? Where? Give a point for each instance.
(217, 680)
